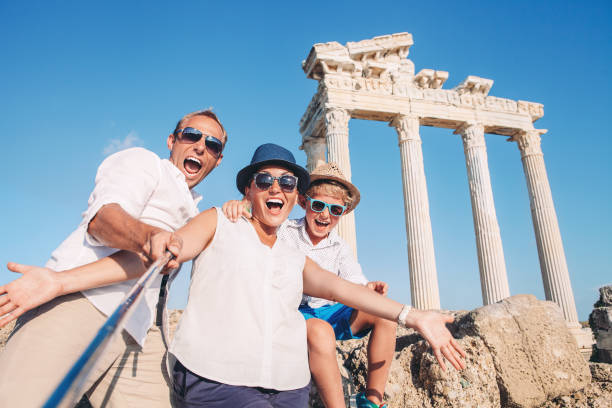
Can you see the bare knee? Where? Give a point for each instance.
(364, 321)
(384, 325)
(321, 337)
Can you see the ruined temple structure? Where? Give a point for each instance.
(373, 80)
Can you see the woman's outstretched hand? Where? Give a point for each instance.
(432, 326)
(34, 287)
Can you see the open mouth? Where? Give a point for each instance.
(321, 224)
(192, 165)
(274, 204)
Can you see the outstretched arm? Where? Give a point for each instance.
(431, 325)
(187, 242)
(37, 285)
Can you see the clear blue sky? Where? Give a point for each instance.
(79, 79)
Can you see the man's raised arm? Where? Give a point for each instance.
(113, 227)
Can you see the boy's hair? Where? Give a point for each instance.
(330, 188)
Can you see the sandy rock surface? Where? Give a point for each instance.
(492, 376)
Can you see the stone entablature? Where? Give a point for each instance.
(375, 81)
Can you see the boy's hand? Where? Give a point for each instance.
(235, 209)
(166, 241)
(378, 286)
(33, 288)
(432, 326)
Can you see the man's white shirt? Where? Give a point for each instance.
(150, 189)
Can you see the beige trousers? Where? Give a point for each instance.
(48, 340)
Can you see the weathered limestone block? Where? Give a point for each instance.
(519, 354)
(535, 356)
(598, 394)
(600, 321)
(416, 379)
(4, 334)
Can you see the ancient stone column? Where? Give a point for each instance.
(336, 128)
(421, 259)
(493, 278)
(315, 150)
(557, 285)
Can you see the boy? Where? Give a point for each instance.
(327, 199)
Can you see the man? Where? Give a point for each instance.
(136, 194)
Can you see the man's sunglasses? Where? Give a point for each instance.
(319, 206)
(264, 181)
(190, 135)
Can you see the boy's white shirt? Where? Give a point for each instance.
(332, 254)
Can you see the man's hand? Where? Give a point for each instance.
(378, 286)
(166, 241)
(432, 326)
(33, 288)
(235, 209)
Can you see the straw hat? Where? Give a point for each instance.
(331, 171)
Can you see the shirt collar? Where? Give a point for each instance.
(181, 179)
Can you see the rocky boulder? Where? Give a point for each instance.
(519, 354)
(4, 334)
(600, 321)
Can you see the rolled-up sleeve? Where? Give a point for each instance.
(349, 268)
(127, 178)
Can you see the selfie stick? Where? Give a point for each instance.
(74, 380)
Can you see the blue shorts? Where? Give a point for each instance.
(189, 390)
(338, 316)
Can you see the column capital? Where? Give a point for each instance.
(529, 141)
(472, 134)
(407, 127)
(336, 120)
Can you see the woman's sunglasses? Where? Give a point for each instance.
(190, 135)
(318, 206)
(264, 181)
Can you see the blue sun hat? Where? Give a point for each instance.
(272, 154)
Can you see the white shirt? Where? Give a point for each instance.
(332, 254)
(151, 190)
(241, 325)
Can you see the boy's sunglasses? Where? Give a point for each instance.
(190, 135)
(264, 181)
(318, 206)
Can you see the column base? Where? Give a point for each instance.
(584, 339)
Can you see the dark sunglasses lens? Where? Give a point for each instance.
(336, 210)
(287, 183)
(263, 181)
(317, 205)
(190, 136)
(214, 145)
